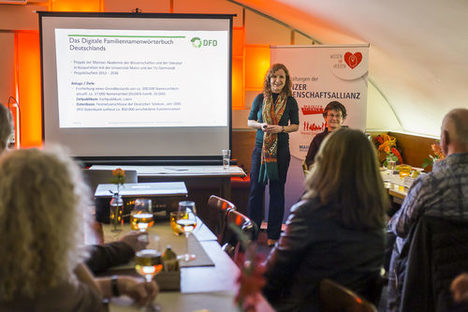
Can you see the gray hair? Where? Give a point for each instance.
(6, 124)
(458, 117)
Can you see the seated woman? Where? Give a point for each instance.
(42, 219)
(336, 231)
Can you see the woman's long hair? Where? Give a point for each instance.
(267, 85)
(346, 176)
(42, 217)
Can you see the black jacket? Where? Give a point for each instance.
(315, 246)
(102, 257)
(435, 252)
(315, 146)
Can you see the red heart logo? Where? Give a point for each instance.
(353, 60)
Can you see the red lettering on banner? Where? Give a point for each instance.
(313, 126)
(312, 109)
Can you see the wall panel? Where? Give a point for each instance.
(7, 87)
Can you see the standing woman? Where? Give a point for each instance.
(274, 114)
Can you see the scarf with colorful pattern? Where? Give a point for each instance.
(271, 114)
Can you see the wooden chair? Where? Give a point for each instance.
(218, 209)
(337, 298)
(230, 241)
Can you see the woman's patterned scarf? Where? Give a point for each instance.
(271, 114)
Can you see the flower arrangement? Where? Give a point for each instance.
(118, 177)
(438, 155)
(387, 148)
(250, 279)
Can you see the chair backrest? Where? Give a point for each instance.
(438, 252)
(216, 215)
(230, 241)
(95, 177)
(337, 298)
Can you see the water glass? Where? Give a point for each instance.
(226, 158)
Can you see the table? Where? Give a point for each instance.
(398, 192)
(208, 288)
(215, 175)
(394, 185)
(397, 187)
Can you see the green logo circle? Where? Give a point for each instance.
(196, 42)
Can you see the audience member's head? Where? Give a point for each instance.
(346, 175)
(42, 215)
(454, 132)
(5, 127)
(334, 114)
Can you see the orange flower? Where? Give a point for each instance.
(119, 172)
(387, 148)
(119, 176)
(437, 151)
(438, 155)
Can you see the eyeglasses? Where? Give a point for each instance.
(334, 115)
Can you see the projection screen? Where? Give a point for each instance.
(137, 86)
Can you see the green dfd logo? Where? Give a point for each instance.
(198, 43)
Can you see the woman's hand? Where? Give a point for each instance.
(137, 289)
(134, 241)
(272, 128)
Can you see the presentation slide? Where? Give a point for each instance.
(104, 82)
(137, 86)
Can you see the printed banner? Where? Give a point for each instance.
(321, 74)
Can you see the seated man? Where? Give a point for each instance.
(440, 193)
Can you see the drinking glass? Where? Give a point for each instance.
(187, 222)
(226, 158)
(391, 164)
(148, 263)
(405, 171)
(187, 204)
(142, 215)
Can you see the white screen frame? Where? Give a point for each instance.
(143, 143)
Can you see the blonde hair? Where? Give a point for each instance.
(43, 212)
(346, 176)
(287, 91)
